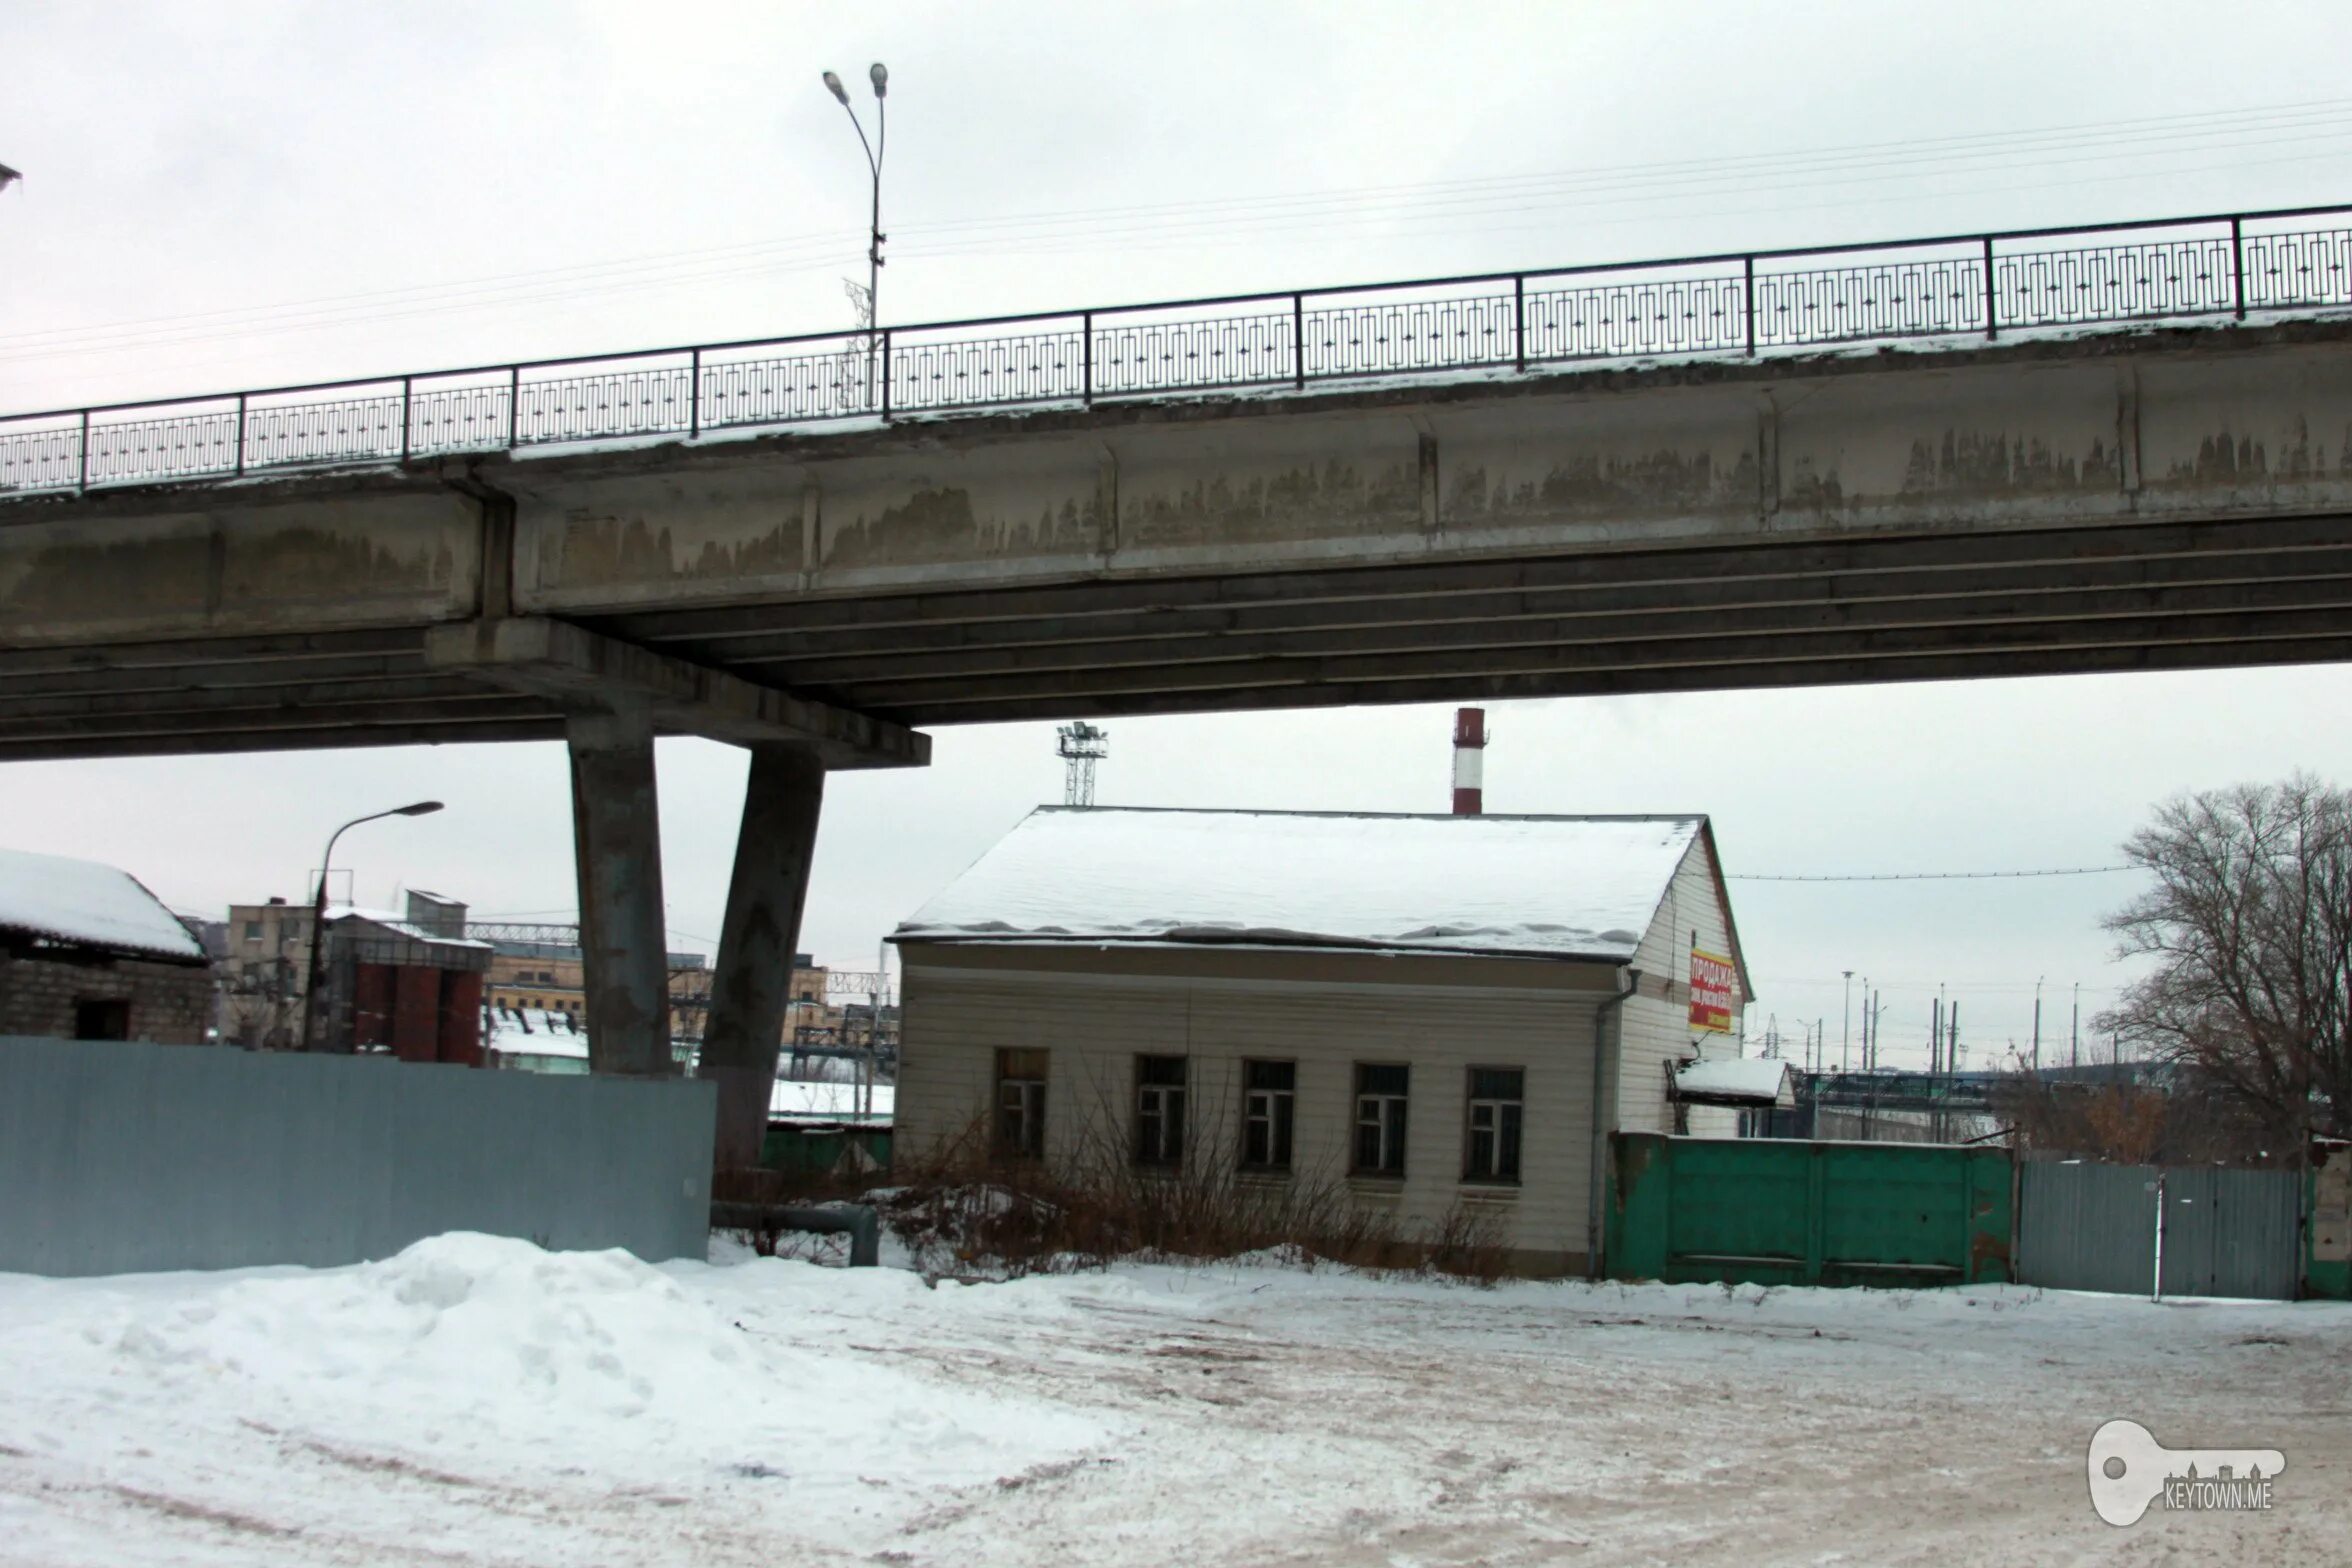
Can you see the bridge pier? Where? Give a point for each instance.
(751, 987)
(616, 824)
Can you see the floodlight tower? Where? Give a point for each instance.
(1081, 746)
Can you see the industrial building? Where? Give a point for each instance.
(407, 982)
(1444, 1013)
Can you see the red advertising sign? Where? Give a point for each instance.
(1711, 981)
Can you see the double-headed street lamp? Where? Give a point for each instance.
(311, 1040)
(874, 150)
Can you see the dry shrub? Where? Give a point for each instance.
(966, 1214)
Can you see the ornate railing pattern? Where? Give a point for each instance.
(2179, 269)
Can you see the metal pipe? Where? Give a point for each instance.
(1598, 1175)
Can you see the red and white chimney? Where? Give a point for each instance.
(1469, 761)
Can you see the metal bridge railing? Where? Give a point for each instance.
(1764, 301)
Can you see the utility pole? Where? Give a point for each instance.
(1846, 1028)
(2074, 1030)
(2037, 1034)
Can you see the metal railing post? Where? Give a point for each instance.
(1992, 325)
(2238, 265)
(1298, 341)
(83, 484)
(1519, 321)
(1086, 359)
(694, 397)
(406, 400)
(885, 373)
(240, 435)
(1748, 298)
(514, 403)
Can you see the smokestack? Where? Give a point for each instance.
(1469, 761)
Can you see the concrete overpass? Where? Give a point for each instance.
(1994, 492)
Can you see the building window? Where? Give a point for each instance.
(1020, 1104)
(1380, 1119)
(252, 930)
(96, 1019)
(1267, 1092)
(1159, 1110)
(1497, 1111)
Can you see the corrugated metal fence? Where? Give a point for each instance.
(2093, 1227)
(1781, 1211)
(118, 1157)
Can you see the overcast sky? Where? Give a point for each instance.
(248, 193)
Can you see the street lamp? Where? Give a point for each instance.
(318, 912)
(874, 151)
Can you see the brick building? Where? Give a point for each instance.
(87, 953)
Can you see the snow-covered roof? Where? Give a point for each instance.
(1732, 1080)
(794, 1101)
(402, 924)
(91, 905)
(1540, 887)
(536, 1031)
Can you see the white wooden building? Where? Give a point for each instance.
(1427, 1008)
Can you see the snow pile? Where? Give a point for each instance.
(83, 901)
(1552, 887)
(476, 1351)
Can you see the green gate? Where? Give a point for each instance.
(1777, 1211)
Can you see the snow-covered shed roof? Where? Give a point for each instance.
(89, 905)
(403, 926)
(1537, 887)
(1733, 1080)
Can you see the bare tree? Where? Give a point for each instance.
(2250, 925)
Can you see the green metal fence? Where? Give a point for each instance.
(825, 1151)
(1777, 1211)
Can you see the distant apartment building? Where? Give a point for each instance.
(87, 953)
(530, 975)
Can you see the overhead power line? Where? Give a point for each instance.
(1929, 876)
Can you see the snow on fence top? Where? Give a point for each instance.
(83, 902)
(1541, 887)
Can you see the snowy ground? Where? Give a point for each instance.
(479, 1401)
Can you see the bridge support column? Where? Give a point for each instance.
(752, 986)
(616, 825)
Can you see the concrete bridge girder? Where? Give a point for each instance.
(2164, 499)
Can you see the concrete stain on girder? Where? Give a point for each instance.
(943, 523)
(1331, 500)
(211, 575)
(1977, 462)
(605, 549)
(1596, 484)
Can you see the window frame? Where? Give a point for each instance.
(1278, 1117)
(1393, 1129)
(1030, 1090)
(1160, 1104)
(1507, 1131)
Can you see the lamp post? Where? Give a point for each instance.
(318, 913)
(874, 150)
(1846, 1028)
